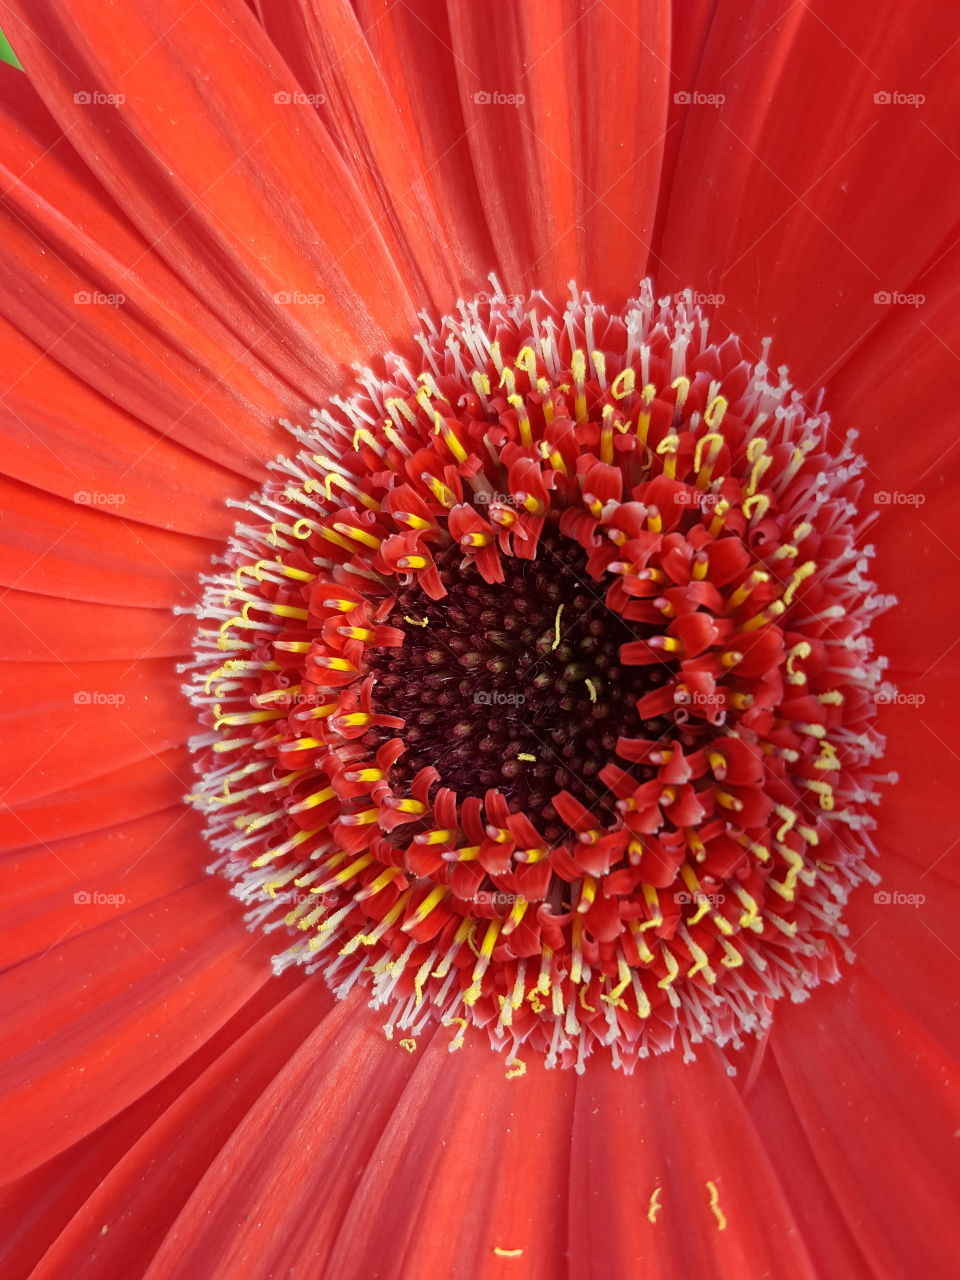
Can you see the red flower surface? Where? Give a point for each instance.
(538, 684)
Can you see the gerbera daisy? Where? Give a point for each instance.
(540, 683)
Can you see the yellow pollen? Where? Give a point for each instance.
(623, 384)
(715, 1206)
(654, 1207)
(556, 628)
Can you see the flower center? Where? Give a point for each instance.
(515, 685)
(540, 696)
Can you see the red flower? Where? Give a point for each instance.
(208, 217)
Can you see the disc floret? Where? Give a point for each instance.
(539, 693)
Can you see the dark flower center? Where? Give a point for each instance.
(515, 685)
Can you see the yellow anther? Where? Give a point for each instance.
(526, 362)
(518, 1069)
(701, 963)
(799, 575)
(311, 802)
(398, 408)
(433, 899)
(669, 446)
(719, 513)
(654, 1207)
(715, 1206)
(647, 395)
(750, 918)
(578, 367)
(716, 442)
(526, 756)
(756, 507)
(409, 1045)
(357, 535)
(670, 960)
(773, 610)
(799, 652)
(653, 905)
(591, 689)
(623, 384)
(714, 412)
(824, 791)
(556, 628)
(445, 496)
